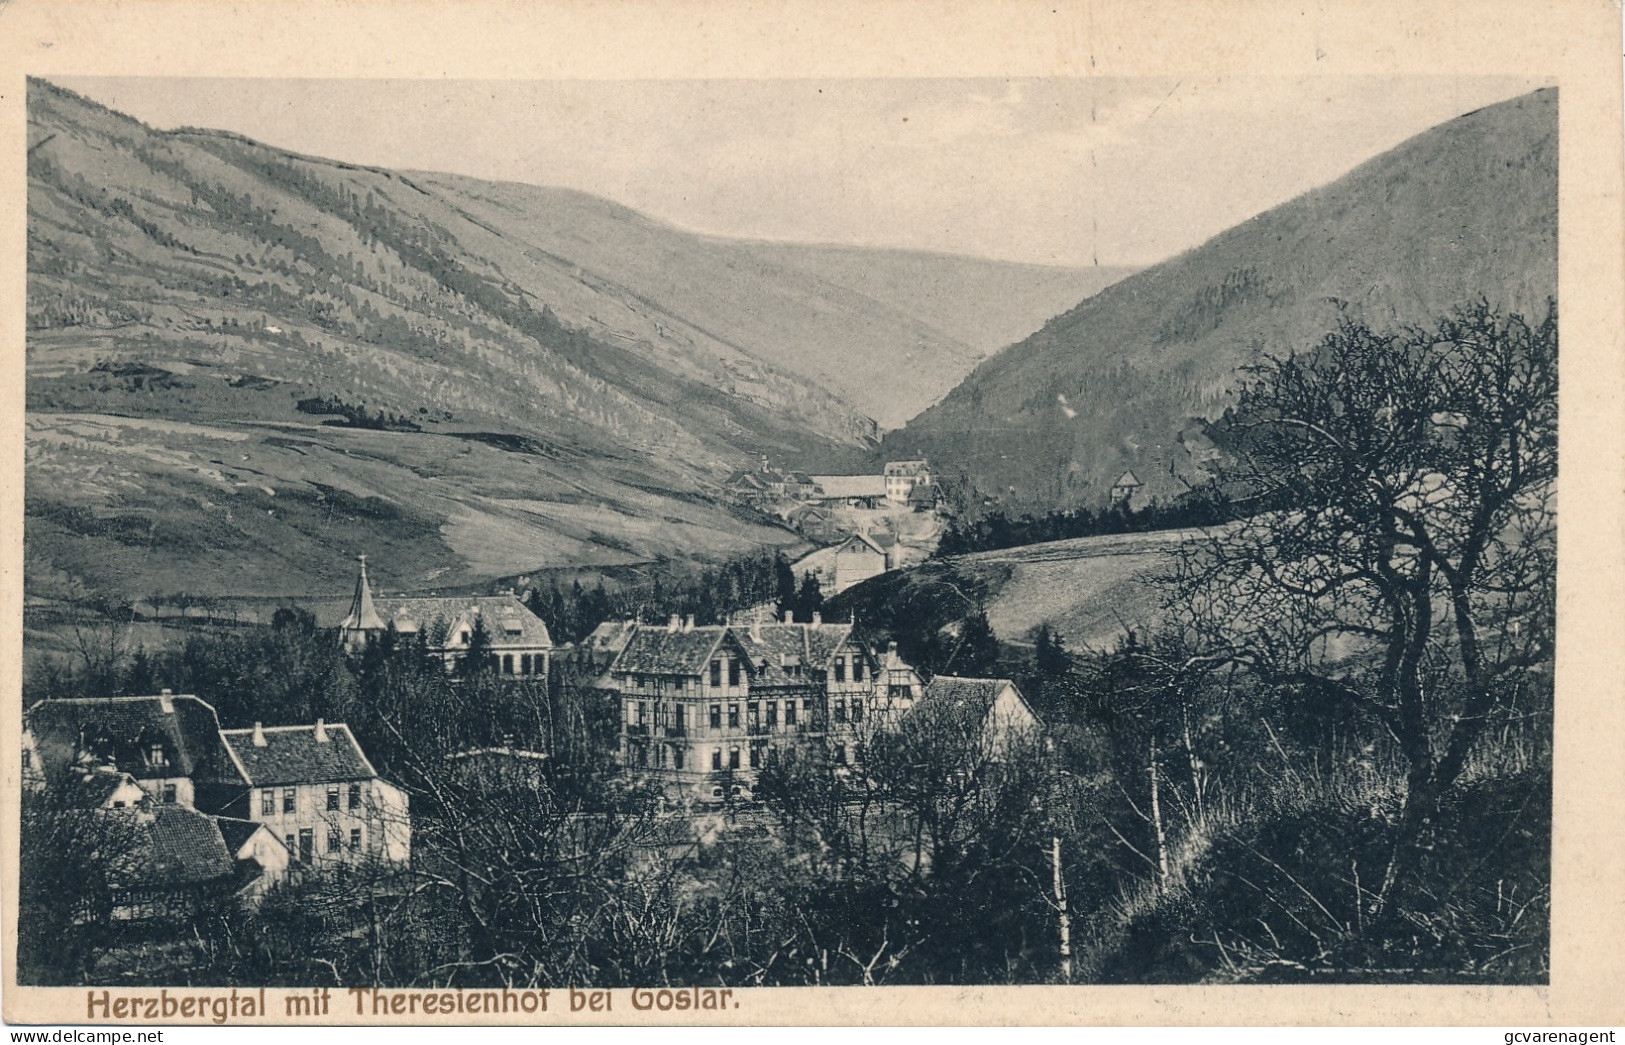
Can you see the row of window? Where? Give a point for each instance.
(305, 848)
(527, 664)
(842, 709)
(290, 799)
(757, 755)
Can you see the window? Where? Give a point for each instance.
(267, 802)
(716, 716)
(733, 673)
(290, 800)
(753, 715)
(677, 758)
(355, 839)
(524, 663)
(355, 796)
(772, 756)
(682, 719)
(840, 668)
(507, 663)
(755, 757)
(716, 673)
(772, 713)
(857, 669)
(293, 853)
(716, 758)
(857, 709)
(840, 754)
(840, 710)
(158, 755)
(643, 709)
(169, 794)
(733, 716)
(332, 797)
(789, 712)
(335, 841)
(307, 844)
(733, 758)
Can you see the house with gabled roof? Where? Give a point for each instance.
(852, 560)
(995, 706)
(1126, 489)
(168, 744)
(174, 864)
(314, 789)
(703, 708)
(518, 640)
(903, 477)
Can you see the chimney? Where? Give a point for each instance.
(891, 651)
(321, 732)
(259, 735)
(688, 622)
(673, 624)
(165, 703)
(756, 629)
(818, 619)
(789, 617)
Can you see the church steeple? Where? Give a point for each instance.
(363, 616)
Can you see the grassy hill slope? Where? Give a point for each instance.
(1126, 378)
(1090, 590)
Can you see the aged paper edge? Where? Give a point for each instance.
(1572, 42)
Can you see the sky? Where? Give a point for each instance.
(1077, 171)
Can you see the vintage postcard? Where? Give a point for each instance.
(770, 514)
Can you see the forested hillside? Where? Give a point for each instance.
(1131, 377)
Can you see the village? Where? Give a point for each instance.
(209, 814)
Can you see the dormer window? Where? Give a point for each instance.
(158, 755)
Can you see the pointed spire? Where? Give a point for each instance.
(363, 615)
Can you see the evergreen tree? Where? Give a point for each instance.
(478, 657)
(784, 583)
(976, 655)
(810, 599)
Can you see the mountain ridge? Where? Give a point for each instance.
(1128, 378)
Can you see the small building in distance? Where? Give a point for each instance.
(1126, 489)
(519, 641)
(854, 491)
(902, 477)
(852, 561)
(313, 788)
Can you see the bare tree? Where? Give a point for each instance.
(1402, 559)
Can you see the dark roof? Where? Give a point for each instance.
(781, 646)
(508, 621)
(293, 755)
(96, 788)
(236, 833)
(978, 694)
(124, 730)
(656, 650)
(880, 542)
(907, 468)
(170, 847)
(925, 493)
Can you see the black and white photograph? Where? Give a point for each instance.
(496, 538)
